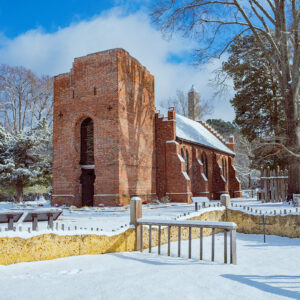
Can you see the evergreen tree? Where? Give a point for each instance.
(258, 106)
(25, 158)
(224, 128)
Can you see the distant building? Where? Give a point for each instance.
(193, 103)
(110, 144)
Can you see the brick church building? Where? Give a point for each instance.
(109, 142)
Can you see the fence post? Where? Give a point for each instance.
(233, 246)
(225, 200)
(135, 214)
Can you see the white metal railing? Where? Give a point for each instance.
(226, 226)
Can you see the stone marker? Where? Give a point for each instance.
(135, 214)
(225, 200)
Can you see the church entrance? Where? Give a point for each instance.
(87, 180)
(87, 177)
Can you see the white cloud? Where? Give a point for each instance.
(54, 53)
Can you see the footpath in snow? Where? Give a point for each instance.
(264, 271)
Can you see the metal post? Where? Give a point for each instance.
(150, 237)
(50, 221)
(201, 243)
(196, 206)
(190, 242)
(264, 222)
(34, 222)
(179, 240)
(10, 222)
(233, 246)
(213, 244)
(169, 242)
(141, 237)
(159, 237)
(225, 246)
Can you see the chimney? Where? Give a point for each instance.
(230, 143)
(171, 113)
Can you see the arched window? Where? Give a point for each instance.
(205, 165)
(187, 162)
(95, 91)
(182, 153)
(87, 142)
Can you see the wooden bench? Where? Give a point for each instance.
(10, 218)
(42, 216)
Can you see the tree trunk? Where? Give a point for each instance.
(293, 142)
(19, 196)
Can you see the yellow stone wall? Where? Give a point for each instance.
(51, 246)
(288, 225)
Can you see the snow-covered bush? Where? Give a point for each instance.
(25, 158)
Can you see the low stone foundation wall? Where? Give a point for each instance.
(51, 246)
(288, 225)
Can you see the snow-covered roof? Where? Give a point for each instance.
(193, 131)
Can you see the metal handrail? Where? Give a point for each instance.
(226, 226)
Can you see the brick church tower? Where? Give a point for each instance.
(103, 133)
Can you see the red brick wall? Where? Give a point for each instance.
(123, 114)
(137, 172)
(170, 179)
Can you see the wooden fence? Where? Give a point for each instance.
(137, 220)
(273, 185)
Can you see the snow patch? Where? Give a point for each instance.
(180, 157)
(204, 177)
(200, 162)
(186, 175)
(172, 142)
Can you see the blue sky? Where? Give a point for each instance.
(45, 36)
(19, 16)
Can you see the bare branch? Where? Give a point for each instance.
(282, 146)
(264, 11)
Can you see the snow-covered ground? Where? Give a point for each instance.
(114, 220)
(96, 220)
(264, 271)
(269, 208)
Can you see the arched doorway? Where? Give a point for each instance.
(87, 177)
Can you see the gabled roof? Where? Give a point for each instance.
(195, 132)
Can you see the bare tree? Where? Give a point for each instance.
(244, 159)
(219, 22)
(25, 99)
(180, 103)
